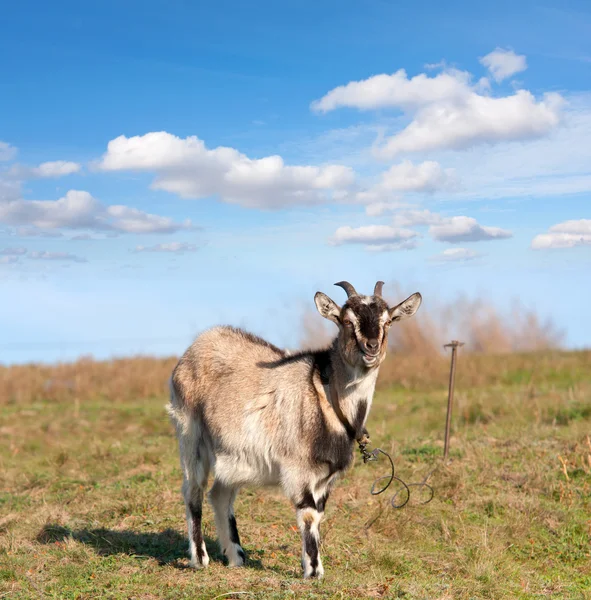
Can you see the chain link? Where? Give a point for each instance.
(373, 456)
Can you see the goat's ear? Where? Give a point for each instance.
(406, 308)
(328, 308)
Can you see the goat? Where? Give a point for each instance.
(258, 415)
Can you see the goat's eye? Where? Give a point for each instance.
(346, 322)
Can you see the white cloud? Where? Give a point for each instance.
(449, 229)
(565, 235)
(188, 168)
(79, 210)
(581, 226)
(7, 152)
(447, 110)
(456, 255)
(559, 163)
(410, 218)
(376, 238)
(171, 247)
(396, 91)
(407, 245)
(503, 63)
(57, 168)
(132, 220)
(34, 232)
(377, 209)
(480, 119)
(9, 190)
(55, 256)
(466, 229)
(427, 177)
(13, 251)
(560, 240)
(454, 230)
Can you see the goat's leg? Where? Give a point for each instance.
(194, 510)
(222, 498)
(309, 513)
(195, 466)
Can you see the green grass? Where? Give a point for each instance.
(90, 503)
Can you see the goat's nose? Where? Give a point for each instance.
(372, 345)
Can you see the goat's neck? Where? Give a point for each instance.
(353, 386)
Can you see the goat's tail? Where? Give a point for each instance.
(195, 454)
(177, 410)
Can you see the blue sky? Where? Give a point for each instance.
(168, 166)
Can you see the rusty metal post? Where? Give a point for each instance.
(454, 344)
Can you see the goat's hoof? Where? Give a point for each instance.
(199, 562)
(317, 573)
(236, 557)
(196, 564)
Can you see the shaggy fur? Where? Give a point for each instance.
(257, 415)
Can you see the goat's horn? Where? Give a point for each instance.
(348, 288)
(378, 289)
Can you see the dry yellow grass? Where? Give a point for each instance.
(90, 502)
(126, 379)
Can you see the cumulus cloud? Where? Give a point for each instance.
(55, 256)
(176, 247)
(565, 235)
(57, 168)
(557, 164)
(449, 229)
(576, 227)
(503, 63)
(188, 168)
(410, 218)
(480, 119)
(456, 255)
(396, 91)
(377, 238)
(456, 230)
(7, 152)
(79, 210)
(447, 110)
(427, 177)
(398, 236)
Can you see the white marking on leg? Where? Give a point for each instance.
(222, 501)
(195, 467)
(308, 520)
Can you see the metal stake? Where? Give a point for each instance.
(450, 397)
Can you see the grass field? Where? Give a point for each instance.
(90, 502)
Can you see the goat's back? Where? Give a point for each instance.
(242, 385)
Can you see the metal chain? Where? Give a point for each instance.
(373, 456)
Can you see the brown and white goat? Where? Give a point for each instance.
(258, 415)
